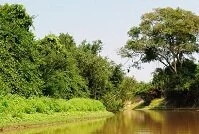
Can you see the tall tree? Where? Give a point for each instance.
(18, 67)
(59, 70)
(166, 35)
(95, 69)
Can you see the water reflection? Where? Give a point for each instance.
(133, 122)
(152, 122)
(86, 127)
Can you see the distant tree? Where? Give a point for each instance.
(147, 92)
(128, 88)
(117, 75)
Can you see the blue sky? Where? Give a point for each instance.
(107, 20)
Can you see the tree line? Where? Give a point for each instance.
(54, 66)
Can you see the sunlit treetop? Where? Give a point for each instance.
(166, 35)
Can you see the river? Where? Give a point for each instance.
(130, 122)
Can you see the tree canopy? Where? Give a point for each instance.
(166, 35)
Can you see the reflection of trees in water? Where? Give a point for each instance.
(182, 121)
(152, 122)
(132, 122)
(124, 123)
(120, 124)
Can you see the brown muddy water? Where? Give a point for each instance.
(129, 122)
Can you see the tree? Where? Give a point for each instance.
(128, 88)
(180, 89)
(67, 40)
(112, 98)
(96, 70)
(117, 75)
(59, 70)
(165, 80)
(18, 66)
(166, 35)
(95, 47)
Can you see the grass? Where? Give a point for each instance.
(80, 127)
(19, 111)
(38, 119)
(156, 104)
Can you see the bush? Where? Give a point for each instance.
(15, 105)
(80, 104)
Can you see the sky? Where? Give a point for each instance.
(107, 20)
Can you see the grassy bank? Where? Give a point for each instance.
(156, 104)
(80, 127)
(16, 111)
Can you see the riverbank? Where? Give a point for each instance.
(41, 120)
(17, 112)
(158, 104)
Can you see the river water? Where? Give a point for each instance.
(130, 122)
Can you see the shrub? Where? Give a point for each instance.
(16, 105)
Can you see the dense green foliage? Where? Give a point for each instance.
(18, 71)
(17, 110)
(54, 66)
(179, 89)
(59, 70)
(15, 105)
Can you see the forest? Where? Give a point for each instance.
(56, 67)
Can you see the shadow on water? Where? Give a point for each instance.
(132, 122)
